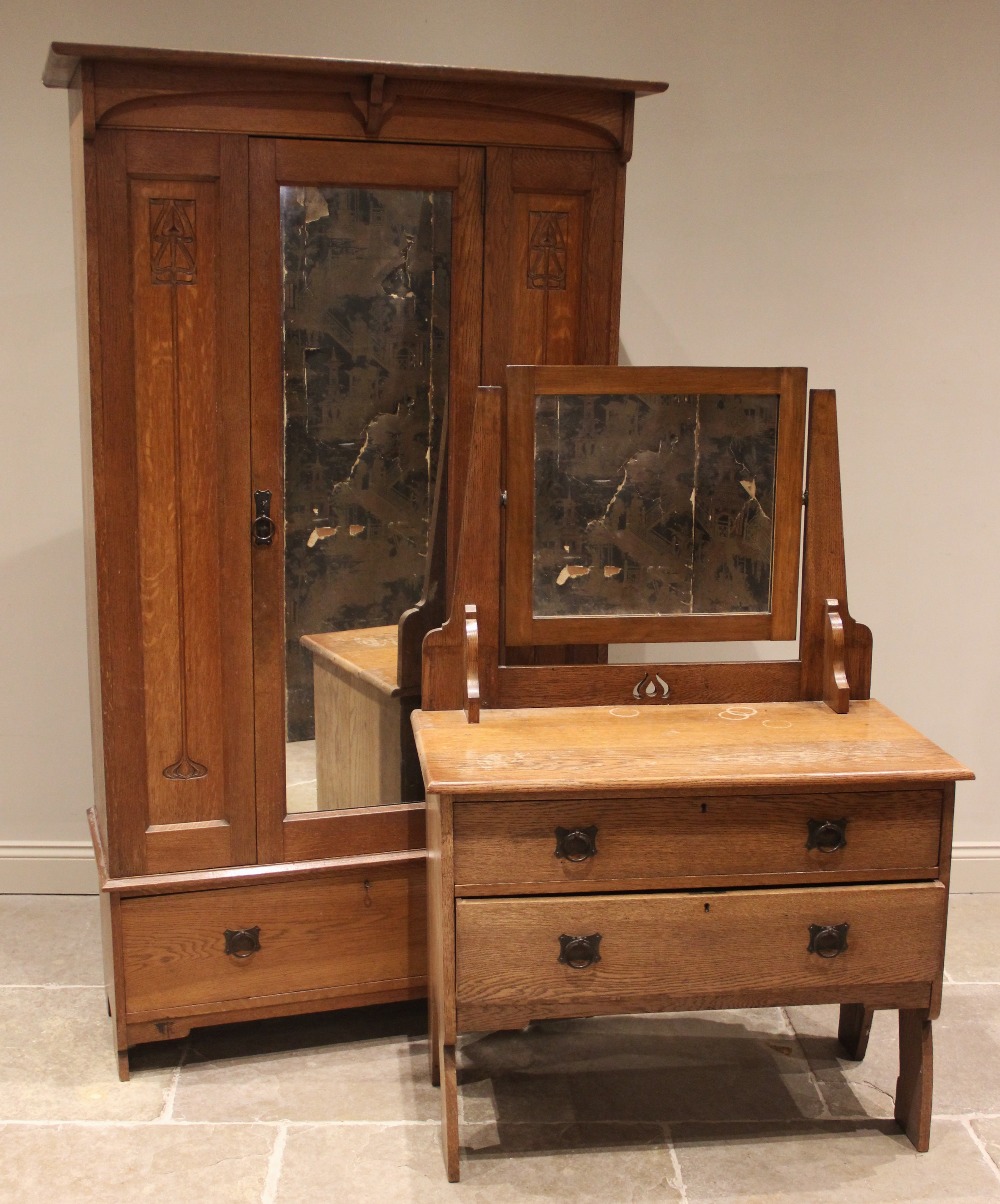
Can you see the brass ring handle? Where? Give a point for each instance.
(827, 835)
(242, 942)
(576, 844)
(828, 940)
(579, 952)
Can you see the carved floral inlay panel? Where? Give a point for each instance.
(547, 250)
(184, 769)
(173, 246)
(173, 258)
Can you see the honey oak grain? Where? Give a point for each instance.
(587, 749)
(183, 420)
(328, 932)
(824, 572)
(358, 749)
(698, 881)
(182, 1019)
(854, 1029)
(916, 1070)
(64, 58)
(510, 847)
(836, 688)
(728, 942)
(369, 654)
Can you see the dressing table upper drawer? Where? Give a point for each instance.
(552, 845)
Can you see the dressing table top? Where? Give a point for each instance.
(629, 748)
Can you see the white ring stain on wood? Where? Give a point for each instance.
(738, 713)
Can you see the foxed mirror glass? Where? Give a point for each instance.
(366, 298)
(653, 503)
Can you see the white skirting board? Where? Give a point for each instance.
(52, 867)
(66, 867)
(975, 867)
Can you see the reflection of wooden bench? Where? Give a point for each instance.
(362, 719)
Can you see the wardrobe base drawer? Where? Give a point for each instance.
(594, 954)
(254, 942)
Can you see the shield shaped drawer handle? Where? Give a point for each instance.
(576, 844)
(579, 952)
(242, 942)
(827, 835)
(828, 940)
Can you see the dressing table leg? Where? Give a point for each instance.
(854, 1030)
(916, 1075)
(449, 1111)
(433, 1049)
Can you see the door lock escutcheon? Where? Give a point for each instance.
(263, 524)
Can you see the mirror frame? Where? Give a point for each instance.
(526, 383)
(284, 835)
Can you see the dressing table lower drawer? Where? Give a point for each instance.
(587, 954)
(259, 941)
(525, 846)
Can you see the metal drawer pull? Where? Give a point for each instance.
(576, 844)
(827, 835)
(828, 940)
(579, 952)
(242, 942)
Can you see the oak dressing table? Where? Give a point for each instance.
(614, 838)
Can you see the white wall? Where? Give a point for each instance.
(818, 187)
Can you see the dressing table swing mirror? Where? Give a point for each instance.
(612, 838)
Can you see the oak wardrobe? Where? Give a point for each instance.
(292, 275)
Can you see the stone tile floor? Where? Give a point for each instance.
(709, 1107)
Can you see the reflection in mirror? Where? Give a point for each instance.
(659, 504)
(366, 276)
